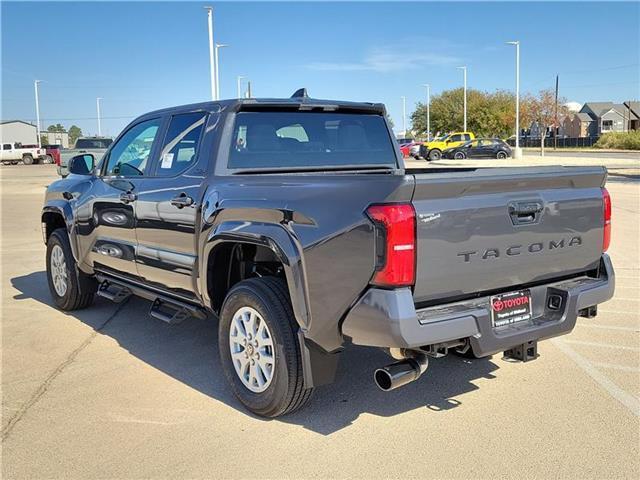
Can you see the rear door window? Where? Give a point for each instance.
(294, 140)
(180, 148)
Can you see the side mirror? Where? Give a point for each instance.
(82, 164)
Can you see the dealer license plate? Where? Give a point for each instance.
(509, 308)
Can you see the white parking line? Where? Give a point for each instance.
(613, 366)
(603, 345)
(626, 399)
(609, 327)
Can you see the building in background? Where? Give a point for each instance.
(579, 125)
(17, 131)
(55, 138)
(633, 115)
(608, 117)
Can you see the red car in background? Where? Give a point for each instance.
(53, 154)
(405, 149)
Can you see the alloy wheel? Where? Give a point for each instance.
(252, 352)
(59, 270)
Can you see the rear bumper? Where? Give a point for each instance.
(388, 318)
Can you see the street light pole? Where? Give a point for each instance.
(464, 72)
(404, 116)
(217, 56)
(211, 53)
(428, 113)
(517, 152)
(240, 77)
(98, 108)
(35, 84)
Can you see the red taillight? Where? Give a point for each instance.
(395, 244)
(606, 202)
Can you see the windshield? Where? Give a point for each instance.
(93, 143)
(295, 140)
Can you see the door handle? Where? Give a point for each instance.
(182, 200)
(128, 197)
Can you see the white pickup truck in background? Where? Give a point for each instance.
(13, 153)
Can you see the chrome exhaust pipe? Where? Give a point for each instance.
(400, 373)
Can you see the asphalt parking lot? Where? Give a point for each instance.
(109, 392)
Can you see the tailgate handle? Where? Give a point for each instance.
(524, 213)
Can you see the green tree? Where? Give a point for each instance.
(74, 133)
(488, 114)
(56, 128)
(44, 141)
(390, 120)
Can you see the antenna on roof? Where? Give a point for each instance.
(300, 93)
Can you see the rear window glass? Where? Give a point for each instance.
(180, 144)
(93, 143)
(309, 139)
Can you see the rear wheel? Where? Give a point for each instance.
(6, 162)
(435, 155)
(259, 349)
(48, 159)
(70, 288)
(501, 155)
(27, 159)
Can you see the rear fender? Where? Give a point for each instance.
(278, 239)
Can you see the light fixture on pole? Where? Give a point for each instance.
(35, 84)
(98, 109)
(517, 153)
(239, 78)
(404, 116)
(217, 57)
(428, 87)
(211, 52)
(464, 72)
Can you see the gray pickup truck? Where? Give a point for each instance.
(296, 223)
(96, 146)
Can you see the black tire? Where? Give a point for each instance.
(81, 288)
(48, 159)
(6, 162)
(270, 298)
(435, 154)
(501, 155)
(459, 156)
(27, 159)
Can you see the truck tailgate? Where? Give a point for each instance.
(489, 229)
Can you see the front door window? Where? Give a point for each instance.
(129, 157)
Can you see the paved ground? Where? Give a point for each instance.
(583, 154)
(112, 393)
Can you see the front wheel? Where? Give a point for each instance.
(459, 156)
(259, 349)
(501, 155)
(435, 155)
(70, 288)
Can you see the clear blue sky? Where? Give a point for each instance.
(143, 56)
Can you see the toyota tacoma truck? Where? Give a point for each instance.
(296, 223)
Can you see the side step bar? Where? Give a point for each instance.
(114, 292)
(167, 309)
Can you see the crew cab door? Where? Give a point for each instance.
(105, 215)
(167, 208)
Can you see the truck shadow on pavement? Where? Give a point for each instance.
(189, 353)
